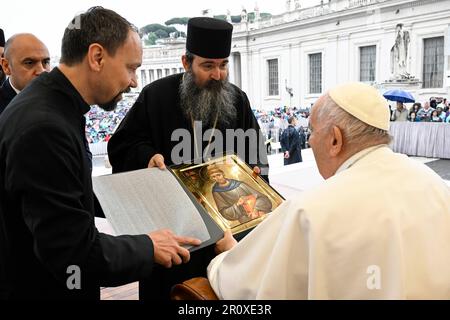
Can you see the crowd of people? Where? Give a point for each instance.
(100, 124)
(289, 127)
(274, 122)
(434, 110)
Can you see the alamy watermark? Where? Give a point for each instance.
(248, 145)
(74, 280)
(75, 24)
(374, 280)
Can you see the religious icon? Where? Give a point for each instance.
(228, 190)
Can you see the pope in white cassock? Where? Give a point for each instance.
(367, 232)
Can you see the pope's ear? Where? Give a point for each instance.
(95, 57)
(337, 141)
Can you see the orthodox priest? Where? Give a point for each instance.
(191, 116)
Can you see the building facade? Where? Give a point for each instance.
(292, 58)
(161, 60)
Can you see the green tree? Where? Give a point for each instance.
(151, 39)
(151, 28)
(170, 29)
(160, 30)
(160, 34)
(183, 21)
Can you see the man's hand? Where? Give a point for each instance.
(226, 243)
(157, 161)
(167, 247)
(286, 155)
(256, 172)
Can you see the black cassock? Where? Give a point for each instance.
(147, 130)
(47, 227)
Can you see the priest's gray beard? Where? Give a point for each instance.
(215, 99)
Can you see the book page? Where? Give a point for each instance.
(139, 202)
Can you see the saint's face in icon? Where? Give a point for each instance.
(235, 200)
(218, 177)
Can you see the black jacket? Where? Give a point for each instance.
(46, 211)
(7, 93)
(290, 141)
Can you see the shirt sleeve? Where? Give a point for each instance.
(212, 273)
(271, 262)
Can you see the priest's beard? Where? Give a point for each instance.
(111, 105)
(213, 101)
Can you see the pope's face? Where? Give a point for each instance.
(206, 70)
(320, 134)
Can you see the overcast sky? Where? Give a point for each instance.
(47, 19)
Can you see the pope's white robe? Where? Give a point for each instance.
(378, 229)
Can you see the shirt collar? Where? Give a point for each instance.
(67, 87)
(358, 156)
(12, 86)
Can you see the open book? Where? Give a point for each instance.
(201, 201)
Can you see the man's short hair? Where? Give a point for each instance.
(7, 47)
(291, 120)
(97, 25)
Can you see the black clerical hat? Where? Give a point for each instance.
(209, 37)
(2, 38)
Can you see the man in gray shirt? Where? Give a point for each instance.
(400, 114)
